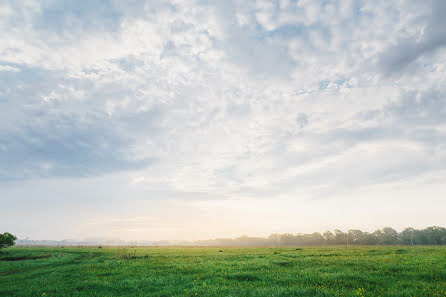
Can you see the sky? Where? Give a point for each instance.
(163, 120)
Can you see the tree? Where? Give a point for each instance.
(287, 239)
(315, 238)
(419, 237)
(275, 239)
(355, 236)
(407, 236)
(435, 235)
(7, 239)
(389, 236)
(329, 237)
(340, 237)
(369, 238)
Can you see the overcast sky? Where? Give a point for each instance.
(202, 119)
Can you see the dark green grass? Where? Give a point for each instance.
(324, 271)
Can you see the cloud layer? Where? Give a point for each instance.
(207, 101)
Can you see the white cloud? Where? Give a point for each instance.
(9, 68)
(250, 100)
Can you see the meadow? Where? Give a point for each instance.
(188, 271)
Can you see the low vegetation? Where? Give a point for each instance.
(303, 271)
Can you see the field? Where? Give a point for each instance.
(307, 271)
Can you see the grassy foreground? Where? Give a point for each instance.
(309, 271)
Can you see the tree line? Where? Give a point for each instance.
(386, 236)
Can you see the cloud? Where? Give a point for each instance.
(9, 68)
(407, 50)
(219, 101)
(220, 85)
(302, 120)
(65, 146)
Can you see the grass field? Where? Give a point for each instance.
(308, 271)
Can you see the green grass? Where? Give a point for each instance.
(308, 271)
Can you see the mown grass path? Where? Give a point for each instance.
(308, 271)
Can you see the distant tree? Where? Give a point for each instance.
(419, 237)
(407, 236)
(340, 237)
(329, 237)
(300, 239)
(287, 239)
(378, 235)
(435, 235)
(7, 239)
(355, 236)
(388, 236)
(275, 238)
(369, 238)
(315, 238)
